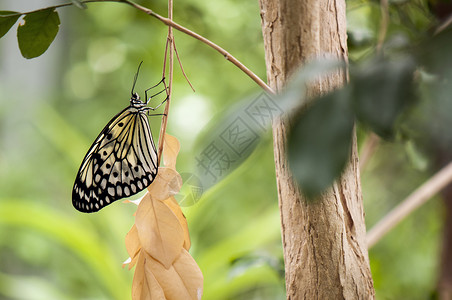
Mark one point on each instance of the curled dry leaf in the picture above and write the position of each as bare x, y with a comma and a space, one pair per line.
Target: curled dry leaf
190, 273
174, 206
171, 149
136, 202
127, 262
183, 280
145, 286
133, 246
167, 183
159, 230
158, 243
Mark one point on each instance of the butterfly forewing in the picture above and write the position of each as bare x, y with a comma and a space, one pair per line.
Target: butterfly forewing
121, 162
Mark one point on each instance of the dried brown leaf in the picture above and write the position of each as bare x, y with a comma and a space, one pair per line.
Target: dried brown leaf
172, 203
159, 240
126, 262
171, 149
145, 286
159, 230
167, 183
136, 202
183, 280
187, 268
133, 245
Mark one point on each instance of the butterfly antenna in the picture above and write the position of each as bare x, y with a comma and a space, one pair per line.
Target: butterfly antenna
136, 77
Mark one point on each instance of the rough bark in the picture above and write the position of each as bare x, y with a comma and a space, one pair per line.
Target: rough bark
325, 249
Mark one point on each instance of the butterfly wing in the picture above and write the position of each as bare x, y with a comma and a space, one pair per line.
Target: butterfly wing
121, 162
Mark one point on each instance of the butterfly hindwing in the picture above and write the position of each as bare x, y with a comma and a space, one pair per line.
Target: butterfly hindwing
121, 162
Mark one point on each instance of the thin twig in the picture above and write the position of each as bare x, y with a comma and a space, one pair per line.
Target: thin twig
170, 42
181, 67
368, 149
226, 54
416, 199
444, 25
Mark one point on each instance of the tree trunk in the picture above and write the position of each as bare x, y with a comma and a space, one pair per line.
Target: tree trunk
325, 248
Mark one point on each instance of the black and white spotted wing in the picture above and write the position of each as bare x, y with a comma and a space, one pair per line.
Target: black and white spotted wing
121, 162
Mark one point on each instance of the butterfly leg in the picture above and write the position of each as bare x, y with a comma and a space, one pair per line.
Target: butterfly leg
153, 115
154, 108
146, 91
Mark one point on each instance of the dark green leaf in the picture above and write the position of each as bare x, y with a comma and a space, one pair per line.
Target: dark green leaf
38, 32
7, 20
381, 91
79, 4
433, 115
435, 52
319, 142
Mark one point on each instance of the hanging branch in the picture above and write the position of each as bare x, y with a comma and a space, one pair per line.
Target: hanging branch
368, 149
170, 43
226, 54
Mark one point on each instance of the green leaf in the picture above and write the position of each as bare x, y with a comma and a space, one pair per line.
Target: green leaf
382, 89
433, 115
38, 32
319, 142
7, 20
79, 4
434, 53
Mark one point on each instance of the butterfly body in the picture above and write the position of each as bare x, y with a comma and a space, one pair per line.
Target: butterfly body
121, 162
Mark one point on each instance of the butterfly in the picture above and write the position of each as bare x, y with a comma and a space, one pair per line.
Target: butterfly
122, 161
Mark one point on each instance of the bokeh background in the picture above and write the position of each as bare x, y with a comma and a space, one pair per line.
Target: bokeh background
52, 108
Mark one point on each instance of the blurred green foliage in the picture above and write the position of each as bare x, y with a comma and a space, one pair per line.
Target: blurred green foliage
52, 108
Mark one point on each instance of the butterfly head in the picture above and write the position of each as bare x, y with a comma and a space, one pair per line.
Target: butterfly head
135, 100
